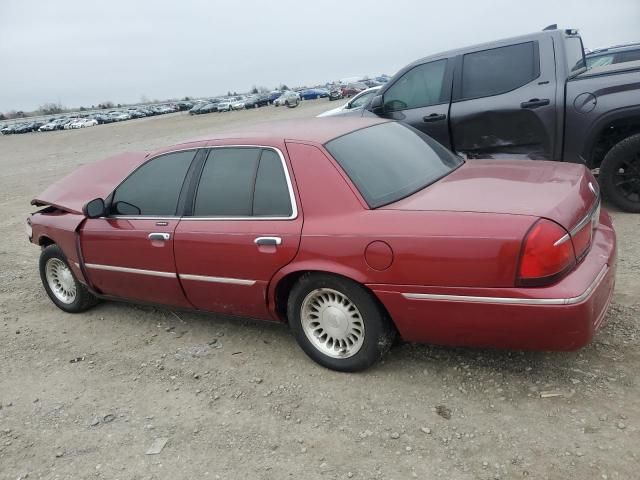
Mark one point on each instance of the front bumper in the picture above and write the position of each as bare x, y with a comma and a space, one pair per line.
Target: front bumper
564, 316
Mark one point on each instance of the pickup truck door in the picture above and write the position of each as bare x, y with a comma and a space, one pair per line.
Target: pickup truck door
420, 97
504, 102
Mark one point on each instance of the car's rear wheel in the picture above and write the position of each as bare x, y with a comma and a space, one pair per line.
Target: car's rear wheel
338, 323
620, 174
62, 286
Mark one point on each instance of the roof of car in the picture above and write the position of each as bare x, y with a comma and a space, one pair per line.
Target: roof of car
317, 130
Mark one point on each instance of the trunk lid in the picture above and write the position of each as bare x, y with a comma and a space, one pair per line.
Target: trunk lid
558, 191
94, 180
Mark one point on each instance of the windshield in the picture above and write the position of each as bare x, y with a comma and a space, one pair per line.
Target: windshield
390, 161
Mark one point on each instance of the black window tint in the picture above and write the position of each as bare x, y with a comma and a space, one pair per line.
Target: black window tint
154, 188
271, 196
499, 70
390, 161
226, 185
419, 87
628, 56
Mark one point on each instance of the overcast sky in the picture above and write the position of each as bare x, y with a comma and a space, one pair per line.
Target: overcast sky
80, 52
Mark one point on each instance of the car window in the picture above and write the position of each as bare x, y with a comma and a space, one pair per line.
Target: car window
361, 100
419, 87
628, 56
227, 183
599, 61
154, 188
498, 70
390, 161
271, 197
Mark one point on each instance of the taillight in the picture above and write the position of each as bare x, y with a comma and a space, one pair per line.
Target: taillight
546, 255
582, 239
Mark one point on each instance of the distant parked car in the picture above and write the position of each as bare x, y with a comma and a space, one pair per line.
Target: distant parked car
8, 129
273, 95
314, 93
289, 99
256, 101
224, 106
353, 88
611, 55
356, 104
119, 116
335, 93
237, 104
53, 124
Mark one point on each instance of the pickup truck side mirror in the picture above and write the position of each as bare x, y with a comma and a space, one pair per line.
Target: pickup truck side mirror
95, 208
377, 105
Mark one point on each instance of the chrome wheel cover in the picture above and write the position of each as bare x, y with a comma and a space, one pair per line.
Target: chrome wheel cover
332, 323
60, 280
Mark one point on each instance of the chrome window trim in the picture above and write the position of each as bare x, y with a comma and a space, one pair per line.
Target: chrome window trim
205, 278
292, 197
113, 268
510, 300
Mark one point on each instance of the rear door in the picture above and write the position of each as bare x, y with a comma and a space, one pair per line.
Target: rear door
504, 102
129, 254
421, 98
244, 226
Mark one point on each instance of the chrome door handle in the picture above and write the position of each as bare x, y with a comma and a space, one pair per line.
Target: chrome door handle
268, 241
159, 236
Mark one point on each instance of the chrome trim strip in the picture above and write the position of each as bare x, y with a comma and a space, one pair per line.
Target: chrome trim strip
112, 268
586, 219
204, 278
562, 239
509, 300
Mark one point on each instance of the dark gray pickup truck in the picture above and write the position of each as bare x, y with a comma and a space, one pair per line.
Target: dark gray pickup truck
530, 97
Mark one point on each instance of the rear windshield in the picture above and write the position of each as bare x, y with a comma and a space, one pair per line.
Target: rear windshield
390, 161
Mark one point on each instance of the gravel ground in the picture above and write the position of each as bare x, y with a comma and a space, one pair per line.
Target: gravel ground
86, 396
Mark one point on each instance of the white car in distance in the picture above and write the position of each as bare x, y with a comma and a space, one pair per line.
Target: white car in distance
355, 104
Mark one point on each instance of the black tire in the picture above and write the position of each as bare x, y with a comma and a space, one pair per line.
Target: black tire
379, 332
84, 300
620, 174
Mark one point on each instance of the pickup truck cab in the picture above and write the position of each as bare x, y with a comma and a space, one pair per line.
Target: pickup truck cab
526, 97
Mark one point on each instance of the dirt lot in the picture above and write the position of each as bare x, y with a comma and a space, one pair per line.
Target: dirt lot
85, 396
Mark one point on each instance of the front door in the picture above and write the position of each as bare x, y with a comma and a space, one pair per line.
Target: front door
130, 253
244, 228
420, 98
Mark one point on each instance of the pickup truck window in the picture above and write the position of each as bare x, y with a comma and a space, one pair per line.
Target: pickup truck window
498, 70
419, 87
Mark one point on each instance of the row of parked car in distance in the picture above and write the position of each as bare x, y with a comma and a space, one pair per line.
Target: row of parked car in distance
85, 119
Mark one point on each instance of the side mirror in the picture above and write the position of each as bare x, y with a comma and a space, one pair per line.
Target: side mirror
95, 208
377, 105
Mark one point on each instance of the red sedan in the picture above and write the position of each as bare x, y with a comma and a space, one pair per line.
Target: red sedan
353, 231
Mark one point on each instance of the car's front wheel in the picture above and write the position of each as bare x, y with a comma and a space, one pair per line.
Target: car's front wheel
61, 284
338, 323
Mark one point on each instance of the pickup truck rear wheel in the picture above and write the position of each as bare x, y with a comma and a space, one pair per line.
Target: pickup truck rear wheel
620, 174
